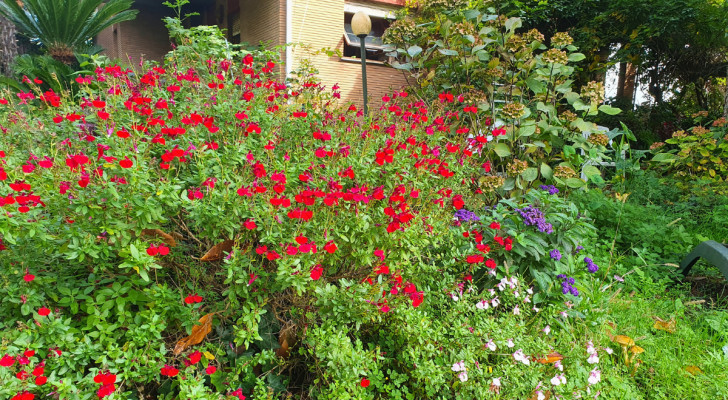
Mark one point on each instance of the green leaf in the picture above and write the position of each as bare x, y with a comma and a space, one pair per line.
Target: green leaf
530, 174
526, 130
546, 171
535, 85
502, 150
513, 23
590, 170
664, 157
609, 110
575, 183
413, 51
448, 52
134, 252
471, 14
576, 57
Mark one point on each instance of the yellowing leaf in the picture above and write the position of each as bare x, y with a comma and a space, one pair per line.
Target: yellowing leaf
668, 326
693, 370
208, 355
198, 334
217, 251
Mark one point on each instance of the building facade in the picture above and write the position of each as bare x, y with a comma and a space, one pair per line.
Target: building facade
309, 25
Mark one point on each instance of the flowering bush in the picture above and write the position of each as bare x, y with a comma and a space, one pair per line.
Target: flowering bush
696, 155
201, 230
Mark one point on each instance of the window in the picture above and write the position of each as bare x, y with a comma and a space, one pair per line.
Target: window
374, 46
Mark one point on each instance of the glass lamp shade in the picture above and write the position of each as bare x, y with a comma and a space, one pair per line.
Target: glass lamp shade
361, 24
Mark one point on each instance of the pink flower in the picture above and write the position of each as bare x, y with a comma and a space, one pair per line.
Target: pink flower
458, 366
558, 380
594, 376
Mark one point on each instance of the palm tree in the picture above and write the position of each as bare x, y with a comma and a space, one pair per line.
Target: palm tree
8, 45
64, 26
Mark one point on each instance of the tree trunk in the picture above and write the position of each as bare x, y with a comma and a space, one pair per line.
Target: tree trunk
8, 45
626, 84
725, 97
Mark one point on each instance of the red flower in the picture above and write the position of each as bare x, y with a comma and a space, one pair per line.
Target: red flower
28, 277
29, 353
211, 369
490, 263
169, 370
39, 370
23, 396
364, 382
316, 272
7, 361
43, 311
495, 225
330, 247
195, 357
250, 224
163, 250
126, 163
153, 250
41, 380
193, 299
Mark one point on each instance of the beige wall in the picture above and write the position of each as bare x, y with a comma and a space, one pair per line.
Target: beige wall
320, 24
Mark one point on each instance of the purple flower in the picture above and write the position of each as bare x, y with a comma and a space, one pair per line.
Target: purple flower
579, 248
567, 285
555, 254
533, 216
590, 266
550, 188
464, 215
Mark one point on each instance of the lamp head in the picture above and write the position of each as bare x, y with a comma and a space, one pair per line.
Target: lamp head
361, 24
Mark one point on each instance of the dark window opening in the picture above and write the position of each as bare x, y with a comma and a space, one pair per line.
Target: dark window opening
374, 46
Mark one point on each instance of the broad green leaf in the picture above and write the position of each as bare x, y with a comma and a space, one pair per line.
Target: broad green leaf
527, 130
576, 57
664, 157
609, 110
535, 85
513, 23
413, 51
530, 174
546, 171
471, 14
134, 252
575, 183
590, 170
448, 52
502, 150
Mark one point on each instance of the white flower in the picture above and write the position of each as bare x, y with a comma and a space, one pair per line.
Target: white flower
529, 291
454, 296
526, 300
459, 366
593, 358
495, 302
540, 395
564, 314
608, 350
618, 278
546, 329
516, 310
595, 376
514, 282
520, 356
536, 309
496, 382
482, 305
509, 342
515, 293
559, 366
463, 376
590, 348
558, 380
491, 345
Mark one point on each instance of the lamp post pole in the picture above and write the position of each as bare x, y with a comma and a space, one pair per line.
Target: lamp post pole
361, 25
362, 40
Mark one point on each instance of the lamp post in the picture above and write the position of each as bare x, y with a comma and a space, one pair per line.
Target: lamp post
361, 25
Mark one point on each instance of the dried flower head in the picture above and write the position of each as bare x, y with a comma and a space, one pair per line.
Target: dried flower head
516, 167
533, 36
598, 139
491, 183
513, 110
561, 39
564, 172
555, 56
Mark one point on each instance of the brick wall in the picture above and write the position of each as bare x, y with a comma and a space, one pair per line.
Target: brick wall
146, 36
320, 24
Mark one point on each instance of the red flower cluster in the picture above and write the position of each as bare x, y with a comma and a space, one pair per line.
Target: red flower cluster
108, 384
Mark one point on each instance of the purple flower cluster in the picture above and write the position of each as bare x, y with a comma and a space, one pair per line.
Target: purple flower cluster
578, 249
555, 254
590, 265
464, 215
533, 216
549, 188
566, 285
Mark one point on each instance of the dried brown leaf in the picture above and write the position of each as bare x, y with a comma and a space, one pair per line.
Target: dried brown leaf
668, 326
550, 358
198, 334
693, 370
217, 252
158, 233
